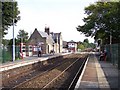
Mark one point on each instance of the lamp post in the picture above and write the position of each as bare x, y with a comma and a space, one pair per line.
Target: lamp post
13, 35
110, 38
111, 47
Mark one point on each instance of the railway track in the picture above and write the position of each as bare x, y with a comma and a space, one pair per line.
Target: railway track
64, 81
77, 75
63, 75
58, 77
24, 76
38, 75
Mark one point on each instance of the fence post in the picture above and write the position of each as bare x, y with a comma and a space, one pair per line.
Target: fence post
111, 57
119, 56
3, 54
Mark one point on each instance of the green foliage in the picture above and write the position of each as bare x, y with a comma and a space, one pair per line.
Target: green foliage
5, 42
91, 45
81, 46
11, 42
86, 40
22, 36
9, 12
85, 44
103, 19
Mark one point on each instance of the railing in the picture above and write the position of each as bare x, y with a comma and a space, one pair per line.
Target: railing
113, 54
6, 52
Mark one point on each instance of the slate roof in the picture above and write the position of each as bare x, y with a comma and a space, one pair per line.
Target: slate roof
71, 41
56, 37
43, 34
48, 37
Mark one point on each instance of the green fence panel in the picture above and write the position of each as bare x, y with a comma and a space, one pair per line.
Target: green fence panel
107, 47
1, 58
113, 54
119, 56
6, 54
17, 52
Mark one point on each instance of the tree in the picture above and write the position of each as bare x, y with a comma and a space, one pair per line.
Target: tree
103, 20
9, 12
5, 42
85, 44
86, 40
81, 46
22, 36
10, 45
91, 45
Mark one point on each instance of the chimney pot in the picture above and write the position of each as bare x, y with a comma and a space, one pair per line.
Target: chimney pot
47, 30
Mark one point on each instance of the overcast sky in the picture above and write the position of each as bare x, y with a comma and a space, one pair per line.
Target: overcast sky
60, 15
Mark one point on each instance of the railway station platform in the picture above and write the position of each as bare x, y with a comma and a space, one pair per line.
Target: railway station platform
28, 60
98, 75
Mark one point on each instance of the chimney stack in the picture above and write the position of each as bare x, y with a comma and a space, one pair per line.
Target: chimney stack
47, 30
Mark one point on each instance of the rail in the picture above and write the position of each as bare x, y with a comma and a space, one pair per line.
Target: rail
74, 81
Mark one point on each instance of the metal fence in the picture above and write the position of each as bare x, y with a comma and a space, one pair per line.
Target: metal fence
7, 53
0, 55
113, 54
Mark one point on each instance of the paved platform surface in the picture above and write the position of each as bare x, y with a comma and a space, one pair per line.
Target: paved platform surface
98, 75
28, 60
